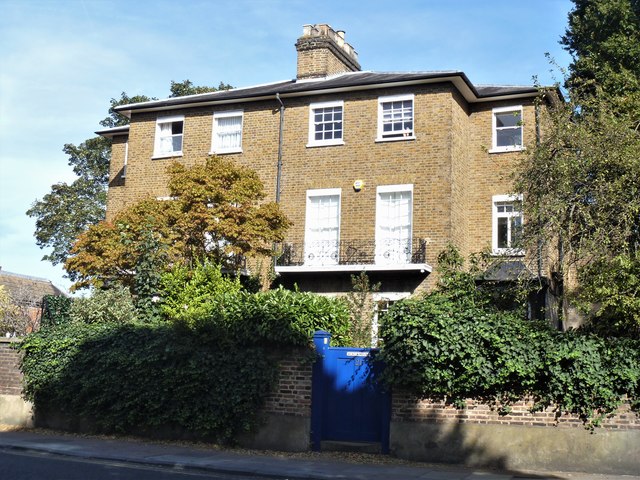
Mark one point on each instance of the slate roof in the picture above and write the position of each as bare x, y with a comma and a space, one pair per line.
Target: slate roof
507, 271
340, 82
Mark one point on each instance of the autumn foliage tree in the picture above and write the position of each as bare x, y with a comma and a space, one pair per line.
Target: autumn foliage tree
217, 213
70, 208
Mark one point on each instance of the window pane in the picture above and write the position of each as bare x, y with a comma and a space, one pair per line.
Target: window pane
508, 119
393, 233
509, 137
397, 118
516, 231
321, 243
176, 128
503, 232
228, 133
327, 123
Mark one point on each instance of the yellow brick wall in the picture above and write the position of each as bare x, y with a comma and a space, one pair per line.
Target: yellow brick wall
453, 175
319, 63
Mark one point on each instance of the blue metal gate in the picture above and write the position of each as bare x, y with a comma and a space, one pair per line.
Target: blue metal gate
348, 403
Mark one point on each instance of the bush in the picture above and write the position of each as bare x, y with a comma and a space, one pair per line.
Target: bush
113, 305
135, 378
442, 349
196, 296
284, 317
55, 310
215, 305
206, 373
454, 345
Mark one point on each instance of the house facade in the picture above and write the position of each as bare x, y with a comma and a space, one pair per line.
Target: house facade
377, 171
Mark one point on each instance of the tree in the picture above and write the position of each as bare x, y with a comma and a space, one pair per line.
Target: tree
186, 87
603, 37
16, 312
10, 315
69, 209
216, 214
361, 309
582, 181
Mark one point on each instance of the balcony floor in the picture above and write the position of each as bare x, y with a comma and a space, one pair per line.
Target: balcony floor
407, 267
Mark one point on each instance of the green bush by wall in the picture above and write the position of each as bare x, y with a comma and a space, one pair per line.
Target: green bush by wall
456, 344
207, 376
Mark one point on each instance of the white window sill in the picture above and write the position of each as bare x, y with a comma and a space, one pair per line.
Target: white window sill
325, 144
224, 152
507, 252
394, 139
507, 149
166, 155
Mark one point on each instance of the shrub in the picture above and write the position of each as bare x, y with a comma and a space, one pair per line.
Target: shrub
285, 317
454, 345
134, 378
196, 296
113, 305
55, 310
206, 373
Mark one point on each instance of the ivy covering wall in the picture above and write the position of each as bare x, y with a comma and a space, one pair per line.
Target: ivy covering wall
207, 374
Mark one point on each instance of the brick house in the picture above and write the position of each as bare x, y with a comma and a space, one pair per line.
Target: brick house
377, 171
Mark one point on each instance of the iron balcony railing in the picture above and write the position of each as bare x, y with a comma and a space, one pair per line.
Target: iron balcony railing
352, 252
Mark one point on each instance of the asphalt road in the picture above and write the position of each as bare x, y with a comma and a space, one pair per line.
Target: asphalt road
16, 465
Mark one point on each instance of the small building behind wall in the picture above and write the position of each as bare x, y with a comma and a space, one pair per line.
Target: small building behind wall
26, 294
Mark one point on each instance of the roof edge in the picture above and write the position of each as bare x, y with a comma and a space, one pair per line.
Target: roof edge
472, 93
113, 131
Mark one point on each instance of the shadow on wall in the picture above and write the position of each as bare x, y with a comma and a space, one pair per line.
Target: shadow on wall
473, 437
160, 382
444, 441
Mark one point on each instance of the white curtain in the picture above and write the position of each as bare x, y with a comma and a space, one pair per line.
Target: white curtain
229, 132
393, 232
323, 226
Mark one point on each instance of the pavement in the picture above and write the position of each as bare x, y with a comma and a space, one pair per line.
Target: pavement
318, 466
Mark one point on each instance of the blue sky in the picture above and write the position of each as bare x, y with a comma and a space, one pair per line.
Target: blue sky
62, 60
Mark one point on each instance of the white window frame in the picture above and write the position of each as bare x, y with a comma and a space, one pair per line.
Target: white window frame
377, 298
322, 192
494, 130
312, 142
215, 139
379, 257
157, 153
408, 135
496, 199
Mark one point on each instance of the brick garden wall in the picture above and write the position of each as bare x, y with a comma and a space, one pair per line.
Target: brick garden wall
10, 376
292, 394
405, 408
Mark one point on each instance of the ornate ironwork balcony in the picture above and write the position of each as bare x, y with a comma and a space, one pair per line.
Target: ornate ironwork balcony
322, 255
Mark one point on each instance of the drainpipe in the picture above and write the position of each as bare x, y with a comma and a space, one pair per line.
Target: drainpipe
280, 141
537, 112
279, 168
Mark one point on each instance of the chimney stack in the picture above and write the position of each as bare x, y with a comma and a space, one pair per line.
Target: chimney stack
322, 52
